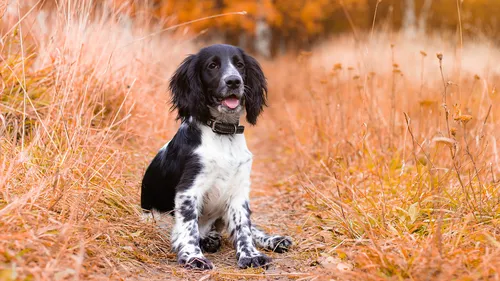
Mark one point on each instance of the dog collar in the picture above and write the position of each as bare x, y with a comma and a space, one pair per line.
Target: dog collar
225, 128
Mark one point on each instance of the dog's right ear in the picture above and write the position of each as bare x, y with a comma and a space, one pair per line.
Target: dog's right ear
186, 88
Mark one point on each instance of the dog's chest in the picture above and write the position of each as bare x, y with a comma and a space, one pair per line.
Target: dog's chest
226, 163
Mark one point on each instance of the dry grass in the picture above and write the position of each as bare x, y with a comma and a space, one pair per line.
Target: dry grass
81, 98
402, 169
367, 148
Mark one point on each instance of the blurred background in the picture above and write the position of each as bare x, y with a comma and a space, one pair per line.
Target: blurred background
274, 27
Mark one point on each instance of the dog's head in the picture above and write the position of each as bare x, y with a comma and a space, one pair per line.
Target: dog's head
219, 82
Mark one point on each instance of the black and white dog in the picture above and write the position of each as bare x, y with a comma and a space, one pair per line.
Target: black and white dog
203, 173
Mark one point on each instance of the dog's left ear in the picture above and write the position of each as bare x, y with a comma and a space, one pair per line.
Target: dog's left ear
255, 88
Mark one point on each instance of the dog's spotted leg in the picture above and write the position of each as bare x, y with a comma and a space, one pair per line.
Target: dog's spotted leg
240, 228
275, 243
185, 234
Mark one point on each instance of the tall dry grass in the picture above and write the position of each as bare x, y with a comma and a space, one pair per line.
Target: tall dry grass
83, 99
396, 147
388, 184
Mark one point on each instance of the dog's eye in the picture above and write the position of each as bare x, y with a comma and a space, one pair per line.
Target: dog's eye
240, 65
213, 65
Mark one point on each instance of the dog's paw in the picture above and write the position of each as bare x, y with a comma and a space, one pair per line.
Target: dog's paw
280, 244
211, 243
257, 261
197, 263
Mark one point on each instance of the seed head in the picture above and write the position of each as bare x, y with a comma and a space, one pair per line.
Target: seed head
443, 140
463, 118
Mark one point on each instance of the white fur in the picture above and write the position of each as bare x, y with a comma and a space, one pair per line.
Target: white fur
230, 70
227, 163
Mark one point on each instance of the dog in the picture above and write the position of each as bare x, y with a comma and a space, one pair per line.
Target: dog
202, 175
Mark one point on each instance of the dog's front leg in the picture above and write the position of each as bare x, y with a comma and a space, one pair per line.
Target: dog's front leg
239, 226
185, 234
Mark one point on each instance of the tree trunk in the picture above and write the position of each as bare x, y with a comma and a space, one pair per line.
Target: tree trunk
424, 15
409, 19
263, 34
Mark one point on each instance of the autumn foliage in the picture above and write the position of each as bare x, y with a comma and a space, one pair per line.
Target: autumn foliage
299, 24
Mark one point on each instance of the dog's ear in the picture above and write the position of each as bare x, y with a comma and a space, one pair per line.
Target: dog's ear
186, 88
255, 88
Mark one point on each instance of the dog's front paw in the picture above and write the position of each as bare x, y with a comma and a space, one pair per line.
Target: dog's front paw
260, 260
197, 263
281, 244
211, 243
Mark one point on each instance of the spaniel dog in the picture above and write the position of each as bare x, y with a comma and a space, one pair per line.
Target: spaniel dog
202, 175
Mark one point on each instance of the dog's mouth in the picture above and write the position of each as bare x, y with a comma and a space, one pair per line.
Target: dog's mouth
231, 102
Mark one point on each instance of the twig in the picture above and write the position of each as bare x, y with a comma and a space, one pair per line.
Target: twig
374, 17
184, 24
349, 19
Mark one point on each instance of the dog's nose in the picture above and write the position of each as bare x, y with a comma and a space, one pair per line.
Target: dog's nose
233, 81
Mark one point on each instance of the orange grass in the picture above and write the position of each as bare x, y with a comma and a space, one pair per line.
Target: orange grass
398, 160
379, 168
82, 97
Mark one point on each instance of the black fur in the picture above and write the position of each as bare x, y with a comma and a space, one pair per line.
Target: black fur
211, 243
174, 168
188, 96
256, 90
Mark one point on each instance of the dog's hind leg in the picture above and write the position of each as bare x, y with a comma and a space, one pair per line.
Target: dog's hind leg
210, 238
275, 243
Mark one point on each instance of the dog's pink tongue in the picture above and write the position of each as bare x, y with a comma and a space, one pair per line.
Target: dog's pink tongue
231, 102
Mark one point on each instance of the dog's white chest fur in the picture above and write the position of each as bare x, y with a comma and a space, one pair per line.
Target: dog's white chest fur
226, 163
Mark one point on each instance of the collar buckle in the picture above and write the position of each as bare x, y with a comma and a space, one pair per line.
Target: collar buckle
213, 126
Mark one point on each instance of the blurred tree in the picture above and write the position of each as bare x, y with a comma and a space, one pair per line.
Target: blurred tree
263, 33
424, 16
409, 19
